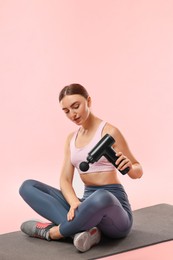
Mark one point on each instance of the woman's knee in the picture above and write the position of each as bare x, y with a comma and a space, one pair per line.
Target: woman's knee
103, 198
26, 187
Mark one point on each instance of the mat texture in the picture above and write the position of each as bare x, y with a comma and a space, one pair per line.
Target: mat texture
152, 225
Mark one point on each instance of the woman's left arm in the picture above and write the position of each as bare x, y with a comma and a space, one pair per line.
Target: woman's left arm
126, 158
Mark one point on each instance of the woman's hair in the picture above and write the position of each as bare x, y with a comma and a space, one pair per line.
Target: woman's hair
73, 89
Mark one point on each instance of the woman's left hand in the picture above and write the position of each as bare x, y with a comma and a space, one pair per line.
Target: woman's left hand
71, 213
123, 162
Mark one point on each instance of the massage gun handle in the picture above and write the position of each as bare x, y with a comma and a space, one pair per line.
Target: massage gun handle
126, 170
113, 158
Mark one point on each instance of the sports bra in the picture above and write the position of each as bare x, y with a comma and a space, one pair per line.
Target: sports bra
79, 155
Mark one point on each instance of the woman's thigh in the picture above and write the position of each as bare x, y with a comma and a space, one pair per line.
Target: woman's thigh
112, 218
46, 200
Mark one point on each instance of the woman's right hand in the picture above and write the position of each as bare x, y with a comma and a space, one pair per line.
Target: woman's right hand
71, 213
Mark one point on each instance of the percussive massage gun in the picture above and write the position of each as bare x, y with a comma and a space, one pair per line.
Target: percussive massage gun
102, 148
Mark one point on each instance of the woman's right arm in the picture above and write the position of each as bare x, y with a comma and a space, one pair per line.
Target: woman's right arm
66, 180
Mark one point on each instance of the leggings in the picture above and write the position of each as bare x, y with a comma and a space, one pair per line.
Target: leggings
100, 206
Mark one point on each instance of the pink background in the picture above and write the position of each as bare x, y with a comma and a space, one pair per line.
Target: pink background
121, 51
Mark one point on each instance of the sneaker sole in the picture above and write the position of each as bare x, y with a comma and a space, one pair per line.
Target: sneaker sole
85, 243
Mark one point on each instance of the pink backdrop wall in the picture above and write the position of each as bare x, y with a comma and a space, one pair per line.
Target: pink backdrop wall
122, 52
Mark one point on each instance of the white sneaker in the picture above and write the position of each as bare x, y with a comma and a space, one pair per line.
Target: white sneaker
85, 240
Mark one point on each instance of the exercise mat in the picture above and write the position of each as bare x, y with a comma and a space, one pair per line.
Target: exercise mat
152, 225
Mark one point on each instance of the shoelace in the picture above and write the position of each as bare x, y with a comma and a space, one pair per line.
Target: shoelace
42, 231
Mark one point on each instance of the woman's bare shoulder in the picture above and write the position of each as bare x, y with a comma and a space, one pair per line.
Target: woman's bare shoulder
69, 137
111, 129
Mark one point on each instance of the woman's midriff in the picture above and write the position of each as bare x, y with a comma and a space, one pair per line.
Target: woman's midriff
100, 178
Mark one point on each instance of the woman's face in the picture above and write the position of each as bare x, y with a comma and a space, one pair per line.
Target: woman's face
76, 108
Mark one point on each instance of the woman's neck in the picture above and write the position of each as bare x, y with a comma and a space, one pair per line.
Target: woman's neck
90, 124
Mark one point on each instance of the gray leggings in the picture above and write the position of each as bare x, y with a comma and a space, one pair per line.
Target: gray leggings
106, 207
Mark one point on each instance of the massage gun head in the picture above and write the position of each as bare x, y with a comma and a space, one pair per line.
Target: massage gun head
100, 149
84, 166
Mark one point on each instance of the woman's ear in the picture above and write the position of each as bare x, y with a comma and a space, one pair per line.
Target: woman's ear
89, 101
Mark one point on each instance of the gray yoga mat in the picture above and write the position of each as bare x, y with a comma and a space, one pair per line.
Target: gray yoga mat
152, 225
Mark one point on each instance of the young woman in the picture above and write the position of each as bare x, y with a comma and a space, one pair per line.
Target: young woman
104, 208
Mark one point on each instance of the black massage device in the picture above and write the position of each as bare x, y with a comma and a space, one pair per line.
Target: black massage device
102, 148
